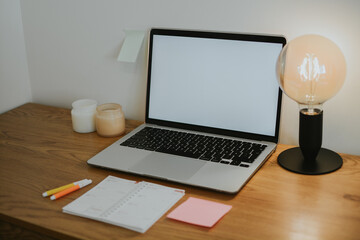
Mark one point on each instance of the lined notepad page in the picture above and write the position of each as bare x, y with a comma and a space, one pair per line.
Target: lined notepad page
136, 206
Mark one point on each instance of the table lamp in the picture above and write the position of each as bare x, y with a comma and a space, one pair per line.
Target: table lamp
311, 69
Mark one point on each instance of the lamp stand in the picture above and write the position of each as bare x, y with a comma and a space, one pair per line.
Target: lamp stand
310, 158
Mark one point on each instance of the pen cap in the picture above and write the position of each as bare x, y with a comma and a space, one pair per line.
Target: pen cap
81, 181
84, 182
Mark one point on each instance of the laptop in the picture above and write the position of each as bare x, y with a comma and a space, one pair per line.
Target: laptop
212, 110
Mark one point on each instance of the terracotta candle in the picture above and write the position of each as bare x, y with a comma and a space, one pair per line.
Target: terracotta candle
83, 115
110, 120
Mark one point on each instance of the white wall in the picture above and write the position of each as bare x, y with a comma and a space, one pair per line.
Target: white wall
14, 77
72, 47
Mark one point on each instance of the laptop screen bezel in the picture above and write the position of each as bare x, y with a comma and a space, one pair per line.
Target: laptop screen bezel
212, 35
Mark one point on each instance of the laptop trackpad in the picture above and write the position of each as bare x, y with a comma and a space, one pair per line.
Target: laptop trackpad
167, 166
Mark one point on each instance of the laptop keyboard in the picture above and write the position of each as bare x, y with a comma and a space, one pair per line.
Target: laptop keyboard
207, 148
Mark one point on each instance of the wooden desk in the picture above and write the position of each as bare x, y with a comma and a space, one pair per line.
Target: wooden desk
40, 151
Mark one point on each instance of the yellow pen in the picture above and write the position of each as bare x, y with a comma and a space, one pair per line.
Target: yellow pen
59, 189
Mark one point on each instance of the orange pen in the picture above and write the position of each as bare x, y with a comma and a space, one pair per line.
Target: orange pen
70, 190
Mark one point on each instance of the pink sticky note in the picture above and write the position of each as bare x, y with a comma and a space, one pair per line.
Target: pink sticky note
200, 212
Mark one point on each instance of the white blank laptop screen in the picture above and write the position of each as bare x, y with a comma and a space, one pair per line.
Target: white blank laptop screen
225, 84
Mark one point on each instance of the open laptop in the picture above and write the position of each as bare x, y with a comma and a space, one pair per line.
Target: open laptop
212, 110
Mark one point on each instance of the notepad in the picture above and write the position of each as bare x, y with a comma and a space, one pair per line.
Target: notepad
125, 203
199, 212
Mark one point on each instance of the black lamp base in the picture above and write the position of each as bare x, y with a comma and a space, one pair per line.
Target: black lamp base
326, 161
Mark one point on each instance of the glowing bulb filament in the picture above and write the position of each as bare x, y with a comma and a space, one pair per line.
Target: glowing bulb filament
310, 71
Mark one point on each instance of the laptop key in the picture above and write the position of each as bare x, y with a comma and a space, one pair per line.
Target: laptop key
205, 158
215, 159
224, 162
235, 163
244, 165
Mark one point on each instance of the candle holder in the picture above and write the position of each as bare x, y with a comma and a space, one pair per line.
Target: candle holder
83, 115
110, 120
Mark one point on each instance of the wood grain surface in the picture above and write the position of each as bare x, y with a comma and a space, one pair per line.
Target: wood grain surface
40, 151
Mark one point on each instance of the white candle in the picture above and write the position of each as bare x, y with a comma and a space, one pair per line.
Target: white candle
83, 115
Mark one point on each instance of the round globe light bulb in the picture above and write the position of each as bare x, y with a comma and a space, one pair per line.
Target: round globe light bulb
311, 69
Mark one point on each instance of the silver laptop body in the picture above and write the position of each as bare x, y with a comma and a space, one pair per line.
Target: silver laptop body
221, 85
